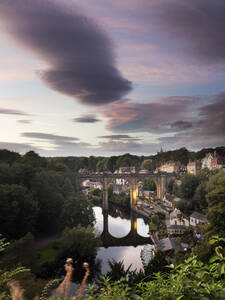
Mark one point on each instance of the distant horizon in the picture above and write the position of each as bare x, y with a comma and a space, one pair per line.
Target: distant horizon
100, 77
146, 155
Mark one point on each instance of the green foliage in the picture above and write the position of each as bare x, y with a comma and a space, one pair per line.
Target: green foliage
46, 292
127, 160
18, 210
148, 164
117, 270
216, 203
7, 275
77, 209
199, 202
19, 252
170, 186
149, 185
188, 186
111, 291
8, 156
32, 193
79, 240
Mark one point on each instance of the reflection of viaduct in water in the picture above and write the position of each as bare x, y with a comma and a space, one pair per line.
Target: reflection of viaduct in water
161, 181
131, 239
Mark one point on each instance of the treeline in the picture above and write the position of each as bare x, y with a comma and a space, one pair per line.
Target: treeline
101, 164
38, 195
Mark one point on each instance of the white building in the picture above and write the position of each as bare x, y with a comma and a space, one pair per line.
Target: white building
207, 161
177, 222
92, 184
177, 218
196, 218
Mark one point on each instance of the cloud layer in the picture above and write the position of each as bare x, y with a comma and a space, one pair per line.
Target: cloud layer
194, 27
6, 111
80, 56
86, 119
194, 121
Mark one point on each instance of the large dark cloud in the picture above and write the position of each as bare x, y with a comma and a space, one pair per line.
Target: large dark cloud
195, 27
80, 57
86, 119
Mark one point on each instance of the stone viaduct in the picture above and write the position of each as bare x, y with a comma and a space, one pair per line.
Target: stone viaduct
161, 181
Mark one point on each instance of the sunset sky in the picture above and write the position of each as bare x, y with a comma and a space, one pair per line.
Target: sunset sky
106, 77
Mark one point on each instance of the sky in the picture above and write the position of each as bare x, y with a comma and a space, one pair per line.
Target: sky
107, 77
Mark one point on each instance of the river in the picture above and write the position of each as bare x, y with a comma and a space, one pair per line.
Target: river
119, 225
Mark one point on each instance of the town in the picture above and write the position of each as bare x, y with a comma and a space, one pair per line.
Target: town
173, 222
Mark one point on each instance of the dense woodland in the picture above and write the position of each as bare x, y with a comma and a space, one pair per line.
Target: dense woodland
38, 196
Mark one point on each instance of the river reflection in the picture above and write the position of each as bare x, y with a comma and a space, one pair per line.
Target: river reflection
119, 225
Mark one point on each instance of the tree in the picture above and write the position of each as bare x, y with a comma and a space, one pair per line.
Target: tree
188, 185
47, 189
18, 210
216, 203
6, 176
148, 164
170, 186
199, 202
76, 209
149, 185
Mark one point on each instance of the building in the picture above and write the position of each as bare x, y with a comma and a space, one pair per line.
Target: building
213, 161
83, 171
143, 171
92, 184
169, 246
217, 163
125, 170
177, 218
170, 167
177, 222
194, 167
198, 218
169, 200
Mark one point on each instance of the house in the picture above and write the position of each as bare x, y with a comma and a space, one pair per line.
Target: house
177, 222
169, 200
198, 218
125, 170
170, 167
217, 162
194, 167
92, 184
176, 229
213, 161
177, 218
169, 246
